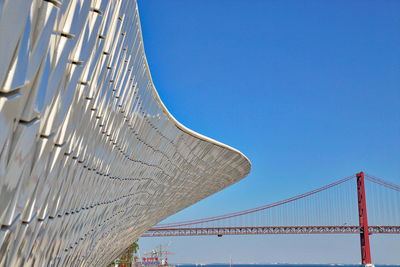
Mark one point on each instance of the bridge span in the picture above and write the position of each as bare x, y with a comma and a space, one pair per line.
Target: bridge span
269, 230
337, 208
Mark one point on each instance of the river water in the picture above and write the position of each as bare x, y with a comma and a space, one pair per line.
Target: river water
280, 265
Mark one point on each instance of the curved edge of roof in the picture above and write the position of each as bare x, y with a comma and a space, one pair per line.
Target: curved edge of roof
175, 121
189, 131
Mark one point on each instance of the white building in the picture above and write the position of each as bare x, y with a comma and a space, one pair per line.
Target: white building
89, 156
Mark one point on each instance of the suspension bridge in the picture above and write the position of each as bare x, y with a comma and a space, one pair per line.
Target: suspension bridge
359, 204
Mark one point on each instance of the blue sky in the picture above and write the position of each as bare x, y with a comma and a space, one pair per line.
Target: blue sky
308, 90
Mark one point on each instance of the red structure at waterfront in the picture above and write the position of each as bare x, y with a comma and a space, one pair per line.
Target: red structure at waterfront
363, 219
331, 209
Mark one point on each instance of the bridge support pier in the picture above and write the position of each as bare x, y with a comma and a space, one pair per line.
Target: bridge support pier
363, 222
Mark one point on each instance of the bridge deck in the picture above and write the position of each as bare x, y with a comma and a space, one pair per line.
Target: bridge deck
219, 231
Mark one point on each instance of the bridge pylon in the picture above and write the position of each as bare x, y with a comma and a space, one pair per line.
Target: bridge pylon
363, 221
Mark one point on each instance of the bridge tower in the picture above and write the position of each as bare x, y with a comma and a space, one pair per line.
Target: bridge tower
363, 221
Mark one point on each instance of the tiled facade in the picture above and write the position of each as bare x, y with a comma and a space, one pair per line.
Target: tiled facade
89, 156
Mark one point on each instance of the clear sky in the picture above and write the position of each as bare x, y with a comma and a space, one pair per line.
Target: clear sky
308, 90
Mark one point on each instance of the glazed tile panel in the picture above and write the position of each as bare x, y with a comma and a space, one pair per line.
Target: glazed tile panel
89, 156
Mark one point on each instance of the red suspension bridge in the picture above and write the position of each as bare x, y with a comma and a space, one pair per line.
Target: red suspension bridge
340, 207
